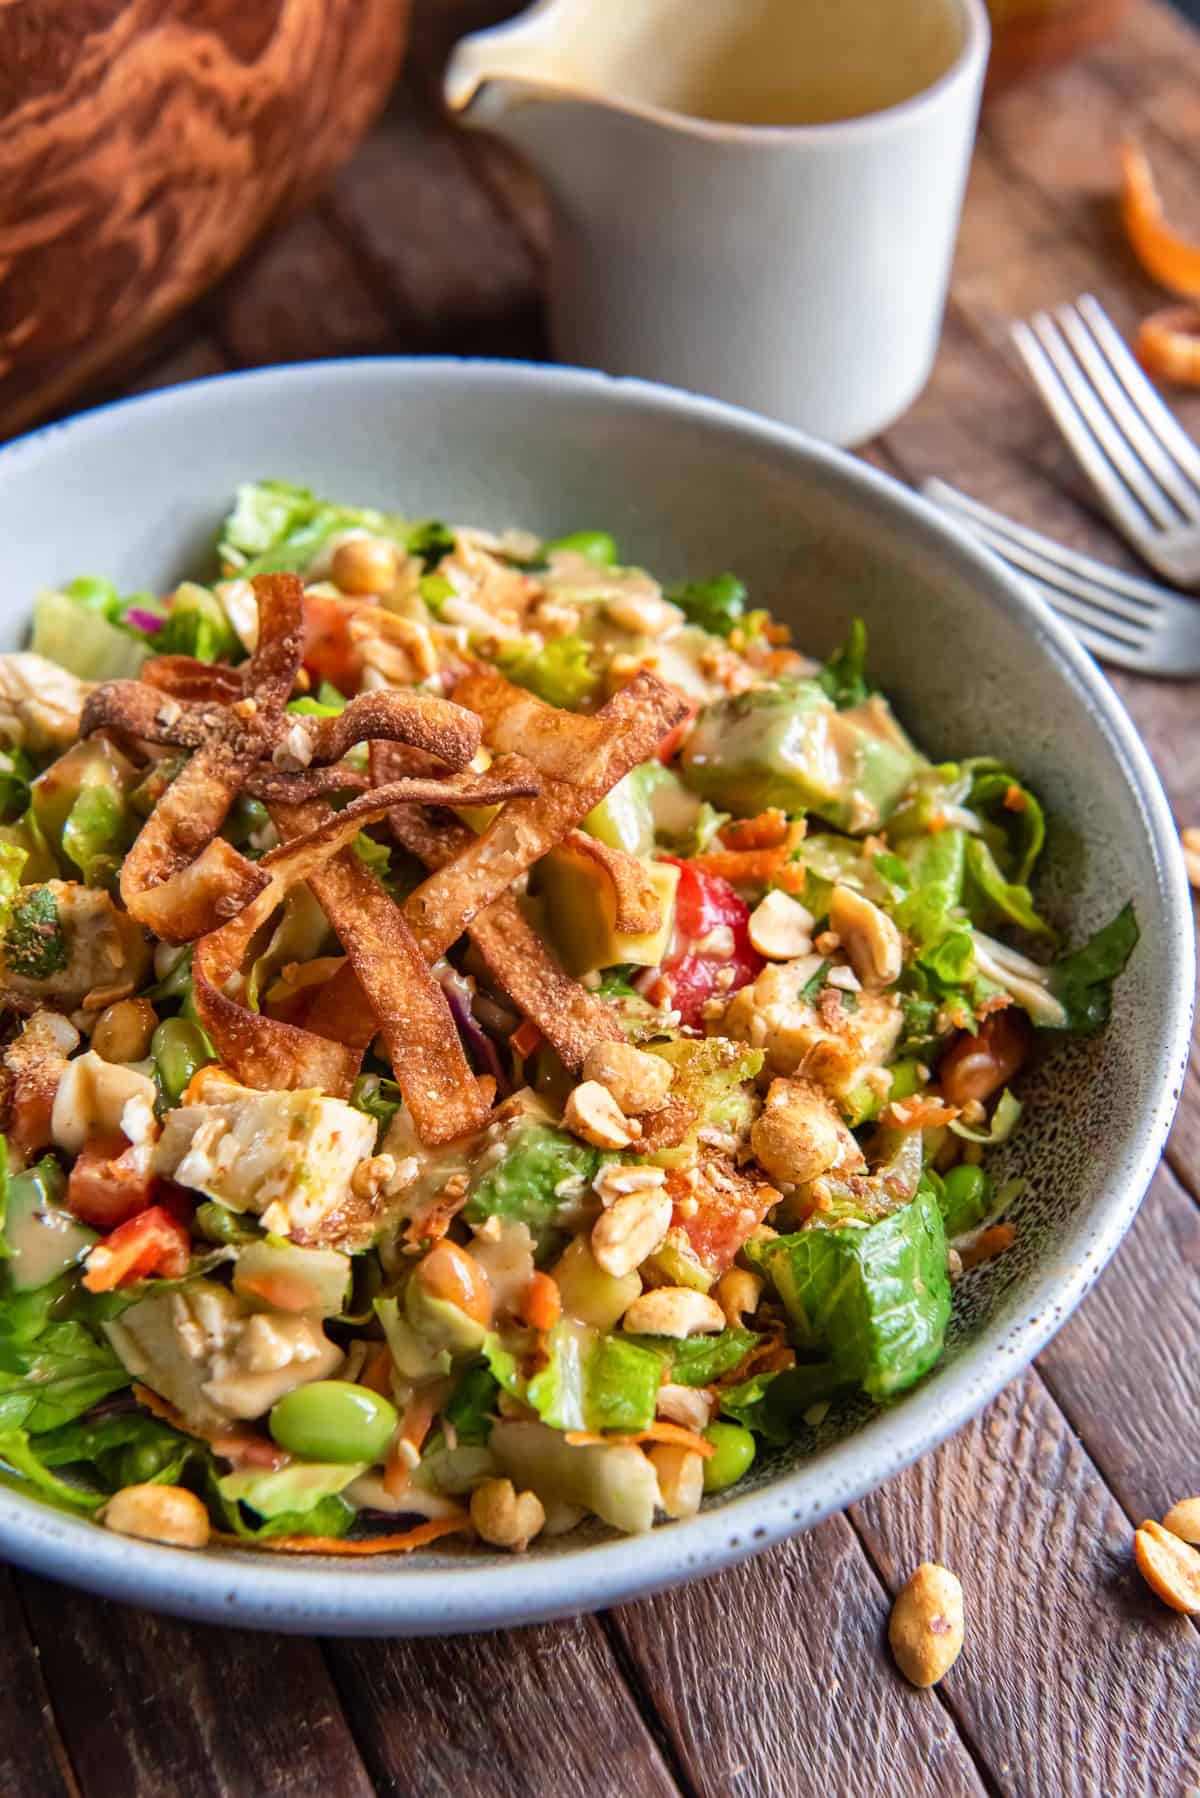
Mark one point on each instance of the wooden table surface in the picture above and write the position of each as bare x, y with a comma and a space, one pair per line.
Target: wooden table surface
773, 1678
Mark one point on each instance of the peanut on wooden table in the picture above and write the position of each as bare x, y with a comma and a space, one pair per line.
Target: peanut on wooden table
775, 1677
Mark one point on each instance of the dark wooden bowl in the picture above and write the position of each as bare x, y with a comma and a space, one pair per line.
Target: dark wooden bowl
144, 144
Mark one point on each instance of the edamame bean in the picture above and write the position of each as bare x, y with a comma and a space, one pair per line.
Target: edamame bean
597, 546
143, 1461
966, 1193
179, 1047
735, 1453
331, 1420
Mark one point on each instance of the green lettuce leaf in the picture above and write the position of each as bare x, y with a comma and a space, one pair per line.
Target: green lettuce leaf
198, 625
97, 833
19, 1454
55, 1378
35, 945
1082, 981
843, 677
558, 672
278, 528
716, 605
1014, 819
594, 1381
471, 1407
17, 771
874, 1301
773, 1404
699, 1360
12, 863
994, 900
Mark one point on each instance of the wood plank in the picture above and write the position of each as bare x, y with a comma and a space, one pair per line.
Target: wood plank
1123, 1367
456, 269
498, 1716
304, 295
150, 1706
773, 1678
1074, 1680
33, 1760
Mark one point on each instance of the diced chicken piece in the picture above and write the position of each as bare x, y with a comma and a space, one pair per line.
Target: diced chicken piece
40, 703
103, 952
837, 1046
92, 1098
288, 1156
204, 1349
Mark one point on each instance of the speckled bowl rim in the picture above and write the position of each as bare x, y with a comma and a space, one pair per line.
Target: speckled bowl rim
408, 1598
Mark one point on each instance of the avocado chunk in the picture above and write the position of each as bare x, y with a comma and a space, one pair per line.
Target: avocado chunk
789, 746
43, 1239
581, 914
540, 1170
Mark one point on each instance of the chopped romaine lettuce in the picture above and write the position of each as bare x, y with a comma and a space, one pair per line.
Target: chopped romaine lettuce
35, 944
1082, 981
843, 677
699, 1360
590, 1380
471, 1408
97, 833
558, 671
716, 605
874, 1300
83, 641
773, 1404
198, 625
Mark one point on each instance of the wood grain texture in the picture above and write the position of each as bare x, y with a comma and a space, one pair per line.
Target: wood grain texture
150, 1707
1073, 1680
515, 1715
758, 1672
144, 145
33, 1760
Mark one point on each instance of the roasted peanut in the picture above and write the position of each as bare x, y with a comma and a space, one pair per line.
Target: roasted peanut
1169, 1567
504, 1517
873, 944
926, 1627
691, 1406
631, 1229
122, 1031
637, 1081
364, 565
780, 927
674, 1311
158, 1514
680, 1478
1183, 1520
738, 1292
592, 1114
799, 1135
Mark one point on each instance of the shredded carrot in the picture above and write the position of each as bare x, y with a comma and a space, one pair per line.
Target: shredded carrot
402, 1544
525, 1039
657, 1432
541, 1302
792, 877
766, 831
742, 867
414, 1427
376, 1374
201, 1087
1168, 345
1014, 799
921, 1112
989, 1243
1171, 259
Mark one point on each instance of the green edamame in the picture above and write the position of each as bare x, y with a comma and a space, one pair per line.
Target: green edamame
178, 1047
965, 1190
597, 546
331, 1420
734, 1456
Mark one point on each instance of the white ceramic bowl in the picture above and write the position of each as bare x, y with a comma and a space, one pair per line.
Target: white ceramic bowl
690, 487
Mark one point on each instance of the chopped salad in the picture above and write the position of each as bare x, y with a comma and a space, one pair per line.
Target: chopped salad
490, 1039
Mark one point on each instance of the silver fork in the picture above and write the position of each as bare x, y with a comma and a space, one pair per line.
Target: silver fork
1123, 620
1144, 468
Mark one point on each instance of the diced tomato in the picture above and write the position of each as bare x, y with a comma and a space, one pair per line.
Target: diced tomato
106, 1185
329, 652
153, 1242
705, 903
723, 1220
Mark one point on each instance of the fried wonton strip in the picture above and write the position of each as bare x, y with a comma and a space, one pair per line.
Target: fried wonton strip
131, 709
422, 1039
568, 1016
634, 720
272, 787
179, 878
555, 741
442, 728
263, 1052
639, 908
339, 1008
185, 678
508, 778
271, 671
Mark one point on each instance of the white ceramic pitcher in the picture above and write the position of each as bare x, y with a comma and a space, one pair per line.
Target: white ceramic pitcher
799, 268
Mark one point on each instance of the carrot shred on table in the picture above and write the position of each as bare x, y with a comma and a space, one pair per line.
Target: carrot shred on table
404, 1543
1171, 259
1168, 345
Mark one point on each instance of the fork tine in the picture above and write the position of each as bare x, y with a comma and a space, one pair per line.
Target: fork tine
1161, 421
1120, 453
1115, 397
1081, 600
1150, 599
1131, 519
